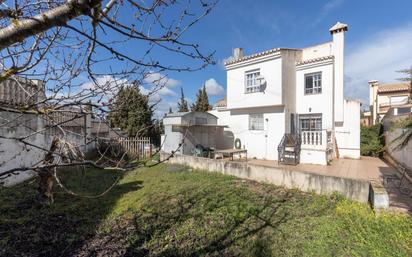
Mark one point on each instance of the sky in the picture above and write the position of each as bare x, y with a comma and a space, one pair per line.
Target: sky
378, 43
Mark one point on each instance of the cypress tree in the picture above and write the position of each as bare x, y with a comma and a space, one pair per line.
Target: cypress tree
182, 105
202, 101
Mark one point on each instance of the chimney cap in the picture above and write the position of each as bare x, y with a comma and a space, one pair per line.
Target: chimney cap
338, 27
372, 82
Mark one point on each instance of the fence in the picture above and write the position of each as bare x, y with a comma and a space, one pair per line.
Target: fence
136, 147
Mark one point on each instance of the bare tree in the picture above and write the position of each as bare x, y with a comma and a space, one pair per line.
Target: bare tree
107, 44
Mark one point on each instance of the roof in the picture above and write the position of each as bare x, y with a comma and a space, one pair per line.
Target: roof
221, 103
200, 125
181, 114
176, 114
338, 27
393, 87
323, 58
252, 56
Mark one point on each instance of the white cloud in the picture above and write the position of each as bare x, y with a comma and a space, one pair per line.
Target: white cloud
213, 88
158, 79
104, 82
378, 56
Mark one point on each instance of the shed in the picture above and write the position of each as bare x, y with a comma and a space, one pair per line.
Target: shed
191, 129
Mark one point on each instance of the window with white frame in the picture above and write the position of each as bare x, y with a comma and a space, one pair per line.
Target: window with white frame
252, 81
310, 122
256, 122
313, 83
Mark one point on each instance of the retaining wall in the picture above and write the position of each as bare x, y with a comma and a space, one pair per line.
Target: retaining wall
309, 182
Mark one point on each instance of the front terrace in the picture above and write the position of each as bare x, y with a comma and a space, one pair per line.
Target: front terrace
360, 180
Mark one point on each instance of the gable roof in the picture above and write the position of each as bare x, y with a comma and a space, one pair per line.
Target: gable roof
252, 56
393, 87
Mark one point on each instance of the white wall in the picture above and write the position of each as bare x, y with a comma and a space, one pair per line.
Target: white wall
261, 144
339, 55
270, 69
289, 58
319, 103
348, 135
317, 51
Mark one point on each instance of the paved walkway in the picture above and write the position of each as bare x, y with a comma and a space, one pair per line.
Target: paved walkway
367, 168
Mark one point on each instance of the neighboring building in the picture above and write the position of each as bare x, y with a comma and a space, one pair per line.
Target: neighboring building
191, 129
292, 91
384, 96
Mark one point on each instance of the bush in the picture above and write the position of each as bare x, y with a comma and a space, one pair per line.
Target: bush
372, 142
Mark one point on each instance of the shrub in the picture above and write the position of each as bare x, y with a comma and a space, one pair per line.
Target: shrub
372, 142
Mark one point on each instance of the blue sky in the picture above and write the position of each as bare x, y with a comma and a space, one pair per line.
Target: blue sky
378, 43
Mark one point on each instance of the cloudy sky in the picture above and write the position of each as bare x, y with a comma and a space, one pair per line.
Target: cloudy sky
378, 43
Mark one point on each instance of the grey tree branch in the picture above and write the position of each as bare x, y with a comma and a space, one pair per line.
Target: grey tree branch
20, 30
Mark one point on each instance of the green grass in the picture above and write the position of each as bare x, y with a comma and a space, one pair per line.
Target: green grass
170, 211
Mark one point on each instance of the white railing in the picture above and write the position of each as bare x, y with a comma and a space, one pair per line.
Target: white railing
316, 139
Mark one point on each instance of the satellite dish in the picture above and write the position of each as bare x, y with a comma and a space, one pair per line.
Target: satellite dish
262, 82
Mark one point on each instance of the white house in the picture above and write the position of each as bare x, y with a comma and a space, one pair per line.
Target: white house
295, 92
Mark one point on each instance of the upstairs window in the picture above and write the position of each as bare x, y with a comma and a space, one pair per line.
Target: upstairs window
313, 83
252, 81
256, 122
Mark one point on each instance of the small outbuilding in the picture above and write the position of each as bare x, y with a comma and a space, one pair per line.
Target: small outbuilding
198, 132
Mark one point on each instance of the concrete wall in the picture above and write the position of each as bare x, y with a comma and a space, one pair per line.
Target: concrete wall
400, 155
353, 189
348, 135
14, 154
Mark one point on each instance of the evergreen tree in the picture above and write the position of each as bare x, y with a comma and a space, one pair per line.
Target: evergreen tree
170, 110
202, 101
182, 105
131, 112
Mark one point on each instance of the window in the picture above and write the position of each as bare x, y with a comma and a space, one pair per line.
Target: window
404, 110
252, 81
200, 121
256, 122
310, 122
399, 99
313, 83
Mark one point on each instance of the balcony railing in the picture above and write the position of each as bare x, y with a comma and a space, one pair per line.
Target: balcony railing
319, 139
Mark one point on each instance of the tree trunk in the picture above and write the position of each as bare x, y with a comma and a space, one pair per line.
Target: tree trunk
46, 179
45, 190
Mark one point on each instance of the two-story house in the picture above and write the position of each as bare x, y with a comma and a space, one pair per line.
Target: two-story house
382, 97
286, 91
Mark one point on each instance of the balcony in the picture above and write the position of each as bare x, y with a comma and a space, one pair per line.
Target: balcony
318, 139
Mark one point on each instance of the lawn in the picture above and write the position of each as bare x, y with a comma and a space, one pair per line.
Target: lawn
173, 211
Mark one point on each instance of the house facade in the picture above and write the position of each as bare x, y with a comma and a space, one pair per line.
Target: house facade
382, 97
286, 91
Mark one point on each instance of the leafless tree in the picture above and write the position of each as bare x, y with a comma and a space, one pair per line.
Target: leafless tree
65, 43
